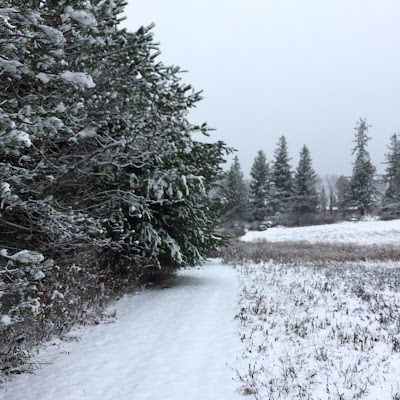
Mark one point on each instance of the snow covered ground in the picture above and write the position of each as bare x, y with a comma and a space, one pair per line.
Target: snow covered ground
321, 329
362, 232
177, 343
321, 332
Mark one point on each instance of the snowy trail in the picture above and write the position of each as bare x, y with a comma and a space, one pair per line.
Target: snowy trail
175, 343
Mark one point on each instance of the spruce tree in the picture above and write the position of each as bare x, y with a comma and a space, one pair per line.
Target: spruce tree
235, 191
305, 198
362, 181
281, 188
99, 171
98, 165
392, 194
259, 185
343, 191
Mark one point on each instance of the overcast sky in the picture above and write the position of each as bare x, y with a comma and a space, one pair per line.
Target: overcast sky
306, 69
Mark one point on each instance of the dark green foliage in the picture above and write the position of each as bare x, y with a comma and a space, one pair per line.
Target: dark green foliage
235, 191
305, 198
392, 194
259, 185
281, 185
101, 140
362, 181
98, 167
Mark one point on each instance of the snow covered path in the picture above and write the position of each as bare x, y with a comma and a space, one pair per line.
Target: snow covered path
167, 344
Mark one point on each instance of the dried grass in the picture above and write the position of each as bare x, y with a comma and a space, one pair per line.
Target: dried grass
294, 252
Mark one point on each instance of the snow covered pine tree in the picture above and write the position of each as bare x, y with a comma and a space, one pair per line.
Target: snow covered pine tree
362, 180
392, 194
235, 192
98, 167
305, 197
281, 182
259, 185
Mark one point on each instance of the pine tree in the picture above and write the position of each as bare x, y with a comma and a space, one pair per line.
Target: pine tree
235, 191
392, 194
259, 185
281, 188
98, 165
26, 48
362, 183
305, 198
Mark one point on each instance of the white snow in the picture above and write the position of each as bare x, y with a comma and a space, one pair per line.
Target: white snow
177, 343
54, 34
43, 77
11, 66
60, 107
21, 137
5, 188
27, 256
38, 275
5, 320
322, 330
362, 232
83, 17
315, 332
79, 78
283, 331
87, 132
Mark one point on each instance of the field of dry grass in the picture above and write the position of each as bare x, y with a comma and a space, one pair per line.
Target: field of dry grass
303, 251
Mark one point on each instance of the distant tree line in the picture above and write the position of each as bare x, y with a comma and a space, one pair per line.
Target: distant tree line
276, 191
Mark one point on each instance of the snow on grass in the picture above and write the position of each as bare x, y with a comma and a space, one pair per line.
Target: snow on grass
177, 343
362, 232
320, 331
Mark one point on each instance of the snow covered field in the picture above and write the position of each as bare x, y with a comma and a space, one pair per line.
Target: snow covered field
167, 344
363, 232
321, 332
319, 321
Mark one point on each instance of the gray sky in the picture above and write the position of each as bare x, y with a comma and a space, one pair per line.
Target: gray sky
306, 69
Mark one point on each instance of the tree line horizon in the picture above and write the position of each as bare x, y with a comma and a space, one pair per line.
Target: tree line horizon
274, 188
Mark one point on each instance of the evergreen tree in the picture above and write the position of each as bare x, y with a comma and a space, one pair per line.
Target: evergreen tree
235, 191
392, 194
362, 183
98, 166
259, 185
281, 188
305, 198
